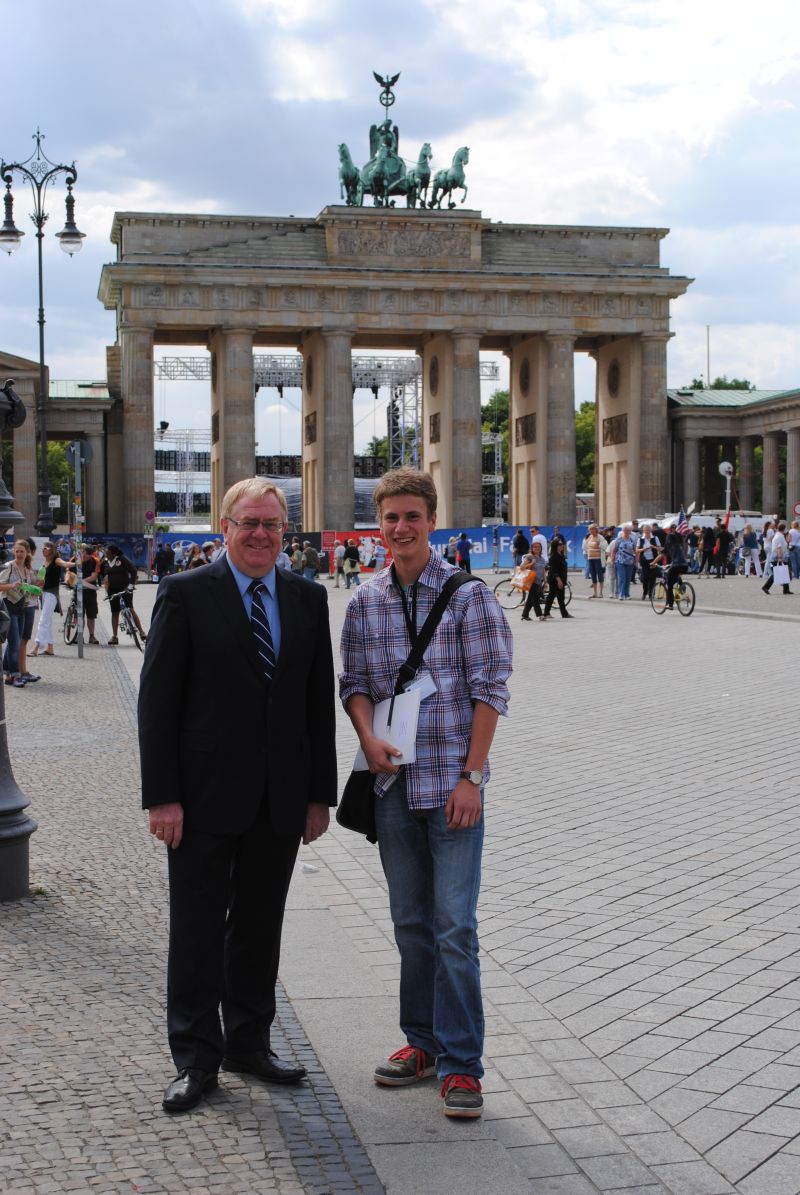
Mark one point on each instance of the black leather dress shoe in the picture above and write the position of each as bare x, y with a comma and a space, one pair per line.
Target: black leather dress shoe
265, 1065
187, 1089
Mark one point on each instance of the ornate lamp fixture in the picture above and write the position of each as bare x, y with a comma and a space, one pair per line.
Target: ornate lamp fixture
39, 171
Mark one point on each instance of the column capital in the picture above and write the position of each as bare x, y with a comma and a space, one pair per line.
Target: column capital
146, 330
233, 331
466, 333
663, 337
554, 336
330, 333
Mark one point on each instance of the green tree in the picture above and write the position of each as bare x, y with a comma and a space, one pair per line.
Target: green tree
378, 446
722, 383
585, 423
495, 419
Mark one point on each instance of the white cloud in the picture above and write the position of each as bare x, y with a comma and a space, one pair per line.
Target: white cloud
301, 71
95, 213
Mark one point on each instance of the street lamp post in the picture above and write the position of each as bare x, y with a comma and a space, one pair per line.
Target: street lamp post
16, 826
40, 172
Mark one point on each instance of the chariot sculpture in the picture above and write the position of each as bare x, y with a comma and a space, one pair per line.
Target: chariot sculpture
386, 177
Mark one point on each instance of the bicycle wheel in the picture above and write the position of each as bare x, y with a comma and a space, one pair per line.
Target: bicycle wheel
684, 597
126, 618
658, 595
509, 596
70, 625
567, 593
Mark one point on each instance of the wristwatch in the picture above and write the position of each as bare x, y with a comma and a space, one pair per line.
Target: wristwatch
475, 778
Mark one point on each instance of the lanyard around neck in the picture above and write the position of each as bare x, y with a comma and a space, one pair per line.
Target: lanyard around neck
410, 616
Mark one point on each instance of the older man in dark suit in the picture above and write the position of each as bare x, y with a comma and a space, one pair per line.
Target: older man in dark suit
236, 733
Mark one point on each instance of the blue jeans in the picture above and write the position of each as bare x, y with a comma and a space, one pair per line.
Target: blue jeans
310, 574
11, 657
794, 562
624, 574
434, 876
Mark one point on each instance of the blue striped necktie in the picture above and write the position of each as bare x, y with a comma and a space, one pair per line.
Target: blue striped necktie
260, 624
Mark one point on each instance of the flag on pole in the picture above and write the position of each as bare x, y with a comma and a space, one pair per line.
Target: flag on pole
683, 524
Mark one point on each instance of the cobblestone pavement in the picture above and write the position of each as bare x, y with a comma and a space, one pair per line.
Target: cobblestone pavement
83, 1056
639, 927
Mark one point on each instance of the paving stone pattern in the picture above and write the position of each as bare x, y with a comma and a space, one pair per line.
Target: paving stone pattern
639, 929
639, 912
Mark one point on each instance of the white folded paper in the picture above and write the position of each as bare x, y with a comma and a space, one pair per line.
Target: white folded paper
402, 733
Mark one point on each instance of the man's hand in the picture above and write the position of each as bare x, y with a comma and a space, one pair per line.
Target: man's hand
380, 755
166, 823
317, 821
463, 808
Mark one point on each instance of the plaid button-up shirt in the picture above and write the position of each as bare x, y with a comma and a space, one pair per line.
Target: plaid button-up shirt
469, 658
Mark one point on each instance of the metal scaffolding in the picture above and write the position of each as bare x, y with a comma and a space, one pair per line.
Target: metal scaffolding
287, 370
402, 376
189, 451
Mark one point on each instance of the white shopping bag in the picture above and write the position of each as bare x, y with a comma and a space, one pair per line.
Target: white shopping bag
780, 574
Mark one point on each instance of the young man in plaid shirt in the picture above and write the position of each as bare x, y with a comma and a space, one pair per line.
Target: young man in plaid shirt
429, 813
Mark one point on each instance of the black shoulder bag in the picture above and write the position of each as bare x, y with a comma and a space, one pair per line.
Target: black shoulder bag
356, 809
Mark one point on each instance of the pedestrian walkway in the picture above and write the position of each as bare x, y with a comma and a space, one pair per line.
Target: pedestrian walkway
639, 927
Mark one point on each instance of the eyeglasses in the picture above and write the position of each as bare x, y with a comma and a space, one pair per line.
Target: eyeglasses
273, 526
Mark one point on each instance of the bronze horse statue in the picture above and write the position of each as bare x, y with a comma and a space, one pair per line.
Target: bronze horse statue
348, 177
446, 181
418, 177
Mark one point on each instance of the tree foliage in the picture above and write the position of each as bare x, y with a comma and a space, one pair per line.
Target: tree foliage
723, 383
585, 424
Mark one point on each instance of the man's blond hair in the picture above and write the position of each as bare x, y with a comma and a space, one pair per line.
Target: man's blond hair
405, 480
253, 488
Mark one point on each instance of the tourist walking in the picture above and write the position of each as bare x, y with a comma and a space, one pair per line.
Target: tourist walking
50, 576
536, 568
595, 549
750, 551
779, 557
624, 558
556, 579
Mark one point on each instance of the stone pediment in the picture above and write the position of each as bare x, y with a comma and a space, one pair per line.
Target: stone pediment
9, 365
278, 246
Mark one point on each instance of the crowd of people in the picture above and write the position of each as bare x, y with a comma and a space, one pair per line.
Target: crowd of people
28, 591
616, 557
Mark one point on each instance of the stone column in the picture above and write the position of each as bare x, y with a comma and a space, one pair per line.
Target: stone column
94, 499
713, 482
466, 430
560, 429
337, 495
233, 448
769, 501
654, 463
138, 414
328, 486
24, 483
691, 472
747, 472
792, 472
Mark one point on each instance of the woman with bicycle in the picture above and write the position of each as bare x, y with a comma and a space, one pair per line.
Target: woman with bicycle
536, 566
119, 576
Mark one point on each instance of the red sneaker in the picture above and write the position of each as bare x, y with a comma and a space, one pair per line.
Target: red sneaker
406, 1066
462, 1096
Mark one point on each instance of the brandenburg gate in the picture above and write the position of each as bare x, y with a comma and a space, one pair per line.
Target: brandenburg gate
445, 283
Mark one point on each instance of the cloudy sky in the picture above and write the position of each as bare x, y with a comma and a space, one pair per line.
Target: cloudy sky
671, 113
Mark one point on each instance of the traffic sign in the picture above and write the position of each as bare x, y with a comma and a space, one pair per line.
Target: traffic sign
796, 508
53, 501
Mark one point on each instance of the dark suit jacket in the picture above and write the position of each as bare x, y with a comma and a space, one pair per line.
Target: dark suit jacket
212, 734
